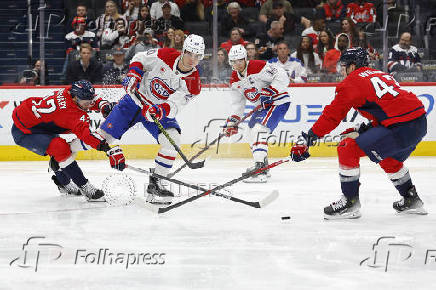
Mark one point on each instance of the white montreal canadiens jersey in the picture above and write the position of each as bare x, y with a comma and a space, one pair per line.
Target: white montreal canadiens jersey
261, 77
162, 82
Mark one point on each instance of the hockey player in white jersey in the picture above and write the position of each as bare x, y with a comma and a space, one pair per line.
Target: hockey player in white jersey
165, 80
257, 82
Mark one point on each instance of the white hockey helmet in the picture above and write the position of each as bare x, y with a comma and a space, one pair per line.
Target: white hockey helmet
194, 44
237, 52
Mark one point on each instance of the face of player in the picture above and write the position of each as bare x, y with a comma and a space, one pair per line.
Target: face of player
239, 65
405, 41
190, 60
345, 71
85, 105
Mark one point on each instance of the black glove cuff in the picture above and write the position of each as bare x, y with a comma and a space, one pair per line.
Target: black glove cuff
103, 146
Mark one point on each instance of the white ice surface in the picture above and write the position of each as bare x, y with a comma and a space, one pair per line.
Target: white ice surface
214, 243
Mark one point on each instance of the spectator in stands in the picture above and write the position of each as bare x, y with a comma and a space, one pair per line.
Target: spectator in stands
294, 68
143, 21
332, 56
156, 9
332, 10
266, 10
132, 11
116, 36
81, 11
192, 10
235, 38
224, 69
252, 52
86, 68
179, 39
115, 71
288, 20
348, 27
167, 20
108, 18
394, 12
168, 38
142, 43
267, 42
361, 11
79, 35
307, 56
325, 43
404, 56
232, 19
32, 77
364, 43
314, 30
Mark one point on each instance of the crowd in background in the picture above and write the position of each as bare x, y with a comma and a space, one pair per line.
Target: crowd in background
306, 38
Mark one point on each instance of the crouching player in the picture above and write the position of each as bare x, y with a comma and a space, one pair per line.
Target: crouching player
39, 121
398, 124
159, 83
257, 82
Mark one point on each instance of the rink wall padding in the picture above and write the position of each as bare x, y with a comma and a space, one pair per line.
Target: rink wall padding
202, 118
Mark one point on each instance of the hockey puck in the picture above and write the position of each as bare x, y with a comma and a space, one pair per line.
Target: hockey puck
286, 217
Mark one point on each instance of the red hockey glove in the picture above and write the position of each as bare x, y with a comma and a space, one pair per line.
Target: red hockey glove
158, 111
116, 158
299, 152
231, 128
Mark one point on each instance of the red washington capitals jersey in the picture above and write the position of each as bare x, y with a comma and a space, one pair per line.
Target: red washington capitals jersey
376, 95
55, 114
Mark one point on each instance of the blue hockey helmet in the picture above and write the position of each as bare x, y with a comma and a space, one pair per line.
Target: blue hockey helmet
358, 56
83, 90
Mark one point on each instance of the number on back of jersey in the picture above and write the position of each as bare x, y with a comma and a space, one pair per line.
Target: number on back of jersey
382, 88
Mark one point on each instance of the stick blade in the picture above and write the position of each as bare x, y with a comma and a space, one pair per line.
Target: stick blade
196, 165
269, 198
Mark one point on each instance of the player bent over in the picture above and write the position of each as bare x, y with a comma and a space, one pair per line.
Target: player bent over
398, 124
159, 83
257, 82
39, 121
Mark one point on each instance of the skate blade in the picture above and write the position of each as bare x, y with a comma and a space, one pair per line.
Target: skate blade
151, 199
351, 215
256, 180
101, 199
419, 211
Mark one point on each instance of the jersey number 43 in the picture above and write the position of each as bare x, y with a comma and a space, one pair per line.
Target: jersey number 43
382, 87
45, 106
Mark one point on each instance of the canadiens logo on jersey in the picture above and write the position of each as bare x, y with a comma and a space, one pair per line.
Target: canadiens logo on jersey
252, 94
160, 89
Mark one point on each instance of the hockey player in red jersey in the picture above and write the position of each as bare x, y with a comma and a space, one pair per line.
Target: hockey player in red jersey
398, 124
159, 83
257, 82
39, 121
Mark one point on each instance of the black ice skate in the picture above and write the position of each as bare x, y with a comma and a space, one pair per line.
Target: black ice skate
260, 177
343, 209
91, 193
410, 204
69, 189
157, 194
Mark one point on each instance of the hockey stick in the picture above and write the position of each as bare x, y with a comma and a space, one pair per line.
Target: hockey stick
187, 162
162, 129
256, 204
229, 183
220, 136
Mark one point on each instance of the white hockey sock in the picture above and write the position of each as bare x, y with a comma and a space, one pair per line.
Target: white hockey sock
167, 154
259, 142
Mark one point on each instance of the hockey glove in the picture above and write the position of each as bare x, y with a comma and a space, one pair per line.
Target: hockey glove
131, 83
116, 158
158, 111
106, 108
266, 101
231, 127
355, 131
300, 151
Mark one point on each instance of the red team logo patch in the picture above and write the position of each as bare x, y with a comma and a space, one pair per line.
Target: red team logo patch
160, 89
251, 94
